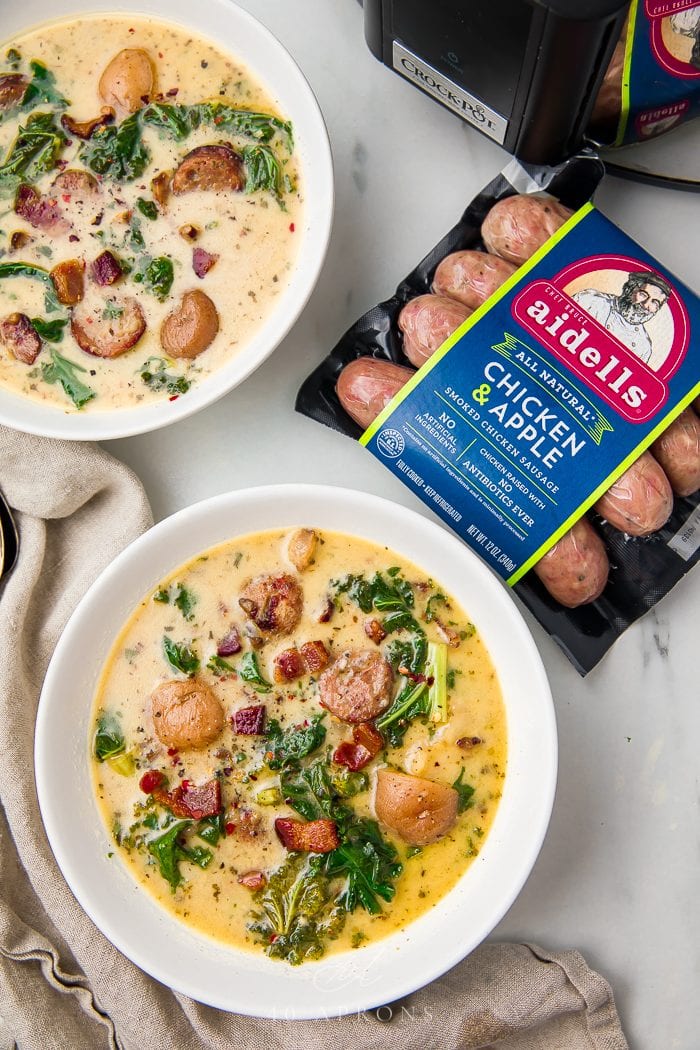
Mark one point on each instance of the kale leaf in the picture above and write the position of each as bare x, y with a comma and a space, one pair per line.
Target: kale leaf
464, 792
61, 370
156, 275
249, 672
34, 152
109, 740
296, 913
42, 90
263, 171
284, 747
49, 331
117, 151
181, 657
168, 849
21, 269
154, 375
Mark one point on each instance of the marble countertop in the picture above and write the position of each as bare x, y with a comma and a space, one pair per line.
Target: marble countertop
617, 876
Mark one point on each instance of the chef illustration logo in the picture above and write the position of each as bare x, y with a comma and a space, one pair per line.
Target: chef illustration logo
615, 323
675, 37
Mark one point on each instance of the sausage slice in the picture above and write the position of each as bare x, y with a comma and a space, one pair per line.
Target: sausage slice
12, 88
191, 327
357, 686
108, 333
209, 168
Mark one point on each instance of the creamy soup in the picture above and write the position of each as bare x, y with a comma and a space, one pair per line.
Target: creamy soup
298, 743
150, 210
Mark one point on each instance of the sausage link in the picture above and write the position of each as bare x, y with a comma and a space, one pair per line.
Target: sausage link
575, 570
640, 501
367, 385
471, 277
426, 322
678, 452
517, 226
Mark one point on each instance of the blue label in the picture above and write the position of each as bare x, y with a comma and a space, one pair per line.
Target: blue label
525, 416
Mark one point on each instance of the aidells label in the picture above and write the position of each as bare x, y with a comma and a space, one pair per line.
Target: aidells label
546, 394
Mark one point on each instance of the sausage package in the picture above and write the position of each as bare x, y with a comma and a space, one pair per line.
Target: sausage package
653, 81
550, 420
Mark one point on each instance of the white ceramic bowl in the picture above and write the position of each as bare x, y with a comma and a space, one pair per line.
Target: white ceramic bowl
240, 981
231, 29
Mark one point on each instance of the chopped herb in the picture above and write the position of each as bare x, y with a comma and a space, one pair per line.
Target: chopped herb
249, 671
451, 677
147, 208
185, 601
182, 658
162, 596
50, 331
464, 792
436, 599
413, 851
109, 740
220, 667
61, 370
112, 310
155, 377
156, 275
134, 238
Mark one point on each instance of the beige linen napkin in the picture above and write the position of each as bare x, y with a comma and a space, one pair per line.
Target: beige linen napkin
62, 984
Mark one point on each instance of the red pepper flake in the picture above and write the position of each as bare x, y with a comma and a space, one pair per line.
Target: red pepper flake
65, 197
151, 779
218, 120
173, 397
291, 227
132, 30
230, 828
172, 751
160, 54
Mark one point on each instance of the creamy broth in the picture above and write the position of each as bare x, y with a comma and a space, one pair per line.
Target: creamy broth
252, 236
198, 606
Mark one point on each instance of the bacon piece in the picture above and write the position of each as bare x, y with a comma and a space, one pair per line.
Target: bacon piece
202, 262
288, 665
252, 880
448, 635
367, 742
374, 631
18, 334
315, 656
67, 279
368, 736
105, 269
230, 644
353, 756
40, 212
193, 801
85, 129
249, 721
314, 836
